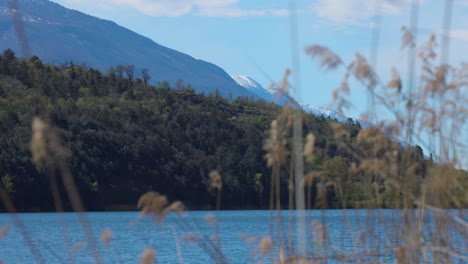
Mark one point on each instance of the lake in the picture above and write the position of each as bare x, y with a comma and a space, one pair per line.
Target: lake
358, 232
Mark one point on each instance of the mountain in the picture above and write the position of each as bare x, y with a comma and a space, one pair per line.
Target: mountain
326, 112
57, 34
255, 87
271, 96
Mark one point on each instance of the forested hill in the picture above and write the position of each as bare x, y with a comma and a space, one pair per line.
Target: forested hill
127, 138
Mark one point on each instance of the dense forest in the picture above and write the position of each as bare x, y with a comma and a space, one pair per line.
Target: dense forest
127, 137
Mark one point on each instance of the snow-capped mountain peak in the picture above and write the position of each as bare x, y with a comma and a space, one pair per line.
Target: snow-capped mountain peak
254, 87
246, 81
326, 112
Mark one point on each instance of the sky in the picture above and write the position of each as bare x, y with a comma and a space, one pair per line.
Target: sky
263, 38
254, 38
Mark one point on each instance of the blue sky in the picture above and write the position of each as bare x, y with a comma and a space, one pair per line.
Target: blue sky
253, 37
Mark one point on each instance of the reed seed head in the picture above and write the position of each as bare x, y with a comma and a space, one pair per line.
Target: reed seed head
310, 178
151, 202
328, 59
38, 142
215, 181
176, 206
46, 145
275, 145
309, 147
4, 230
157, 205
407, 39
210, 219
395, 82
265, 246
148, 256
363, 72
78, 245
106, 236
284, 85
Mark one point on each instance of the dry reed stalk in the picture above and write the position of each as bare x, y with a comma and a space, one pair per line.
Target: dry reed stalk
434, 109
374, 153
157, 206
48, 150
206, 243
10, 208
216, 184
19, 28
178, 248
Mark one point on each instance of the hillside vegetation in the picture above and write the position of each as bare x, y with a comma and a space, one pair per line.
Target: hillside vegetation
127, 137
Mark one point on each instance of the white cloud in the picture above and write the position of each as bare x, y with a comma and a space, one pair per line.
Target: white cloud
171, 8
459, 34
205, 8
281, 12
356, 12
463, 3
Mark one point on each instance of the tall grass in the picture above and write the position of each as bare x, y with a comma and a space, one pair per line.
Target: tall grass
432, 113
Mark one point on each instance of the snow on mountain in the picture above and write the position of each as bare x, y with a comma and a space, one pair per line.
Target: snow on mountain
246, 82
326, 112
254, 87
258, 89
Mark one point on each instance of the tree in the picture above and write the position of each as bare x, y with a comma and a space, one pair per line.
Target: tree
179, 85
130, 71
119, 70
145, 75
8, 62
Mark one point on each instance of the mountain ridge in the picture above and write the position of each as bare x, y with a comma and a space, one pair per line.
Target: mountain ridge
58, 34
268, 95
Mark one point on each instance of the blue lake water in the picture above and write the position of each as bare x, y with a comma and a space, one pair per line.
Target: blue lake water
347, 232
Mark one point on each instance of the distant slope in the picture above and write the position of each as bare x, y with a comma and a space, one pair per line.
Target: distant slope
57, 35
258, 89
